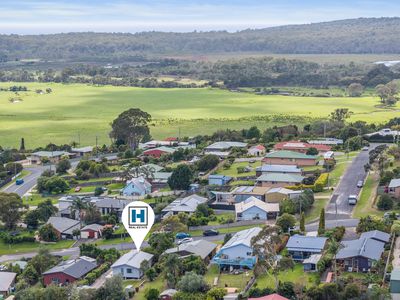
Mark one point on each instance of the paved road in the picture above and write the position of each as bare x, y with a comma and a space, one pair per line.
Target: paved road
29, 181
329, 224
348, 186
74, 251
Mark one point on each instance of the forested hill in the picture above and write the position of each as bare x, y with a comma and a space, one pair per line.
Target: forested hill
364, 35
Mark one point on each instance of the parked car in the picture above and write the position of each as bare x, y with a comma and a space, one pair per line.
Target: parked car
19, 181
77, 189
185, 240
352, 199
182, 235
210, 232
389, 214
360, 184
366, 148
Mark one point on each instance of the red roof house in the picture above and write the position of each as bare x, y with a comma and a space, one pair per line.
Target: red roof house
270, 297
157, 152
301, 146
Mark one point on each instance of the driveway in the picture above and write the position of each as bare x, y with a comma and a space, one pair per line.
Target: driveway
348, 186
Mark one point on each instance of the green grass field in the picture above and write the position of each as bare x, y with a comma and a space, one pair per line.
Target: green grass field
86, 111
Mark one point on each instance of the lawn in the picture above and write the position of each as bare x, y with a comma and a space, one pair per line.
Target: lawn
32, 247
230, 280
364, 205
78, 109
156, 284
297, 276
34, 199
315, 210
233, 172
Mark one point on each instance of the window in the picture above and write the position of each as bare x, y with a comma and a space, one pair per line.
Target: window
129, 270
249, 253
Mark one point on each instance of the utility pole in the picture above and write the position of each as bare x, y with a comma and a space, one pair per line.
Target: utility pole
324, 130
79, 138
96, 144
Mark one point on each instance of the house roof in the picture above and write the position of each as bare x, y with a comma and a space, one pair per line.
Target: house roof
216, 176
64, 225
169, 292
200, 248
365, 247
74, 267
242, 238
326, 141
83, 149
306, 243
281, 177
300, 145
253, 201
49, 153
282, 190
118, 204
289, 154
257, 147
161, 175
395, 275
94, 227
279, 168
251, 190
162, 149
376, 235
187, 204
6, 280
140, 183
133, 259
394, 183
313, 259
270, 297
225, 145
152, 167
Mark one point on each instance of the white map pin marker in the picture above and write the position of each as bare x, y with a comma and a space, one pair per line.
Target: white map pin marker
138, 217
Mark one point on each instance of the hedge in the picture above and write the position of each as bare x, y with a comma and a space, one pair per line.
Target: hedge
96, 273
318, 185
9, 239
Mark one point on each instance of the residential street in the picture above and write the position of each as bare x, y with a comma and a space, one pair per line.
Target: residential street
348, 186
74, 251
29, 181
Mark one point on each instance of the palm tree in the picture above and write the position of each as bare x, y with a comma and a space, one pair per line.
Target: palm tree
78, 205
334, 247
92, 214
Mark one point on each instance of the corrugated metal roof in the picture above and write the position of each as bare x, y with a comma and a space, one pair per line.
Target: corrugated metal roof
306, 243
74, 267
133, 259
242, 237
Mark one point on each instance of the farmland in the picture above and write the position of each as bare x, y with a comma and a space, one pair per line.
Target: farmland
77, 111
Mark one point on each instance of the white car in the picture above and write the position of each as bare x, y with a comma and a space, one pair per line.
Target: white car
366, 148
360, 184
352, 199
185, 240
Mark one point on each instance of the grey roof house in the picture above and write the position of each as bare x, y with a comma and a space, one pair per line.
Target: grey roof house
64, 226
301, 247
128, 265
7, 281
286, 169
187, 205
69, 271
202, 248
360, 255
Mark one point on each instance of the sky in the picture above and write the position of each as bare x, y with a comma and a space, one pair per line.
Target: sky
54, 16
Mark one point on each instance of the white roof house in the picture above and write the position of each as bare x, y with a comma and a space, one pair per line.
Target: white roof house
394, 183
200, 248
187, 204
242, 238
253, 208
128, 265
7, 280
221, 146
279, 169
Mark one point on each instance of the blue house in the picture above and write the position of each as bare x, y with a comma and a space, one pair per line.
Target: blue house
136, 187
218, 179
237, 252
360, 255
301, 247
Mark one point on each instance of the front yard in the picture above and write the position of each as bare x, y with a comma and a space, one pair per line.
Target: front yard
238, 281
233, 172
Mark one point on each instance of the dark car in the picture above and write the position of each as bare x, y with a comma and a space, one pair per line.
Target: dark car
210, 232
